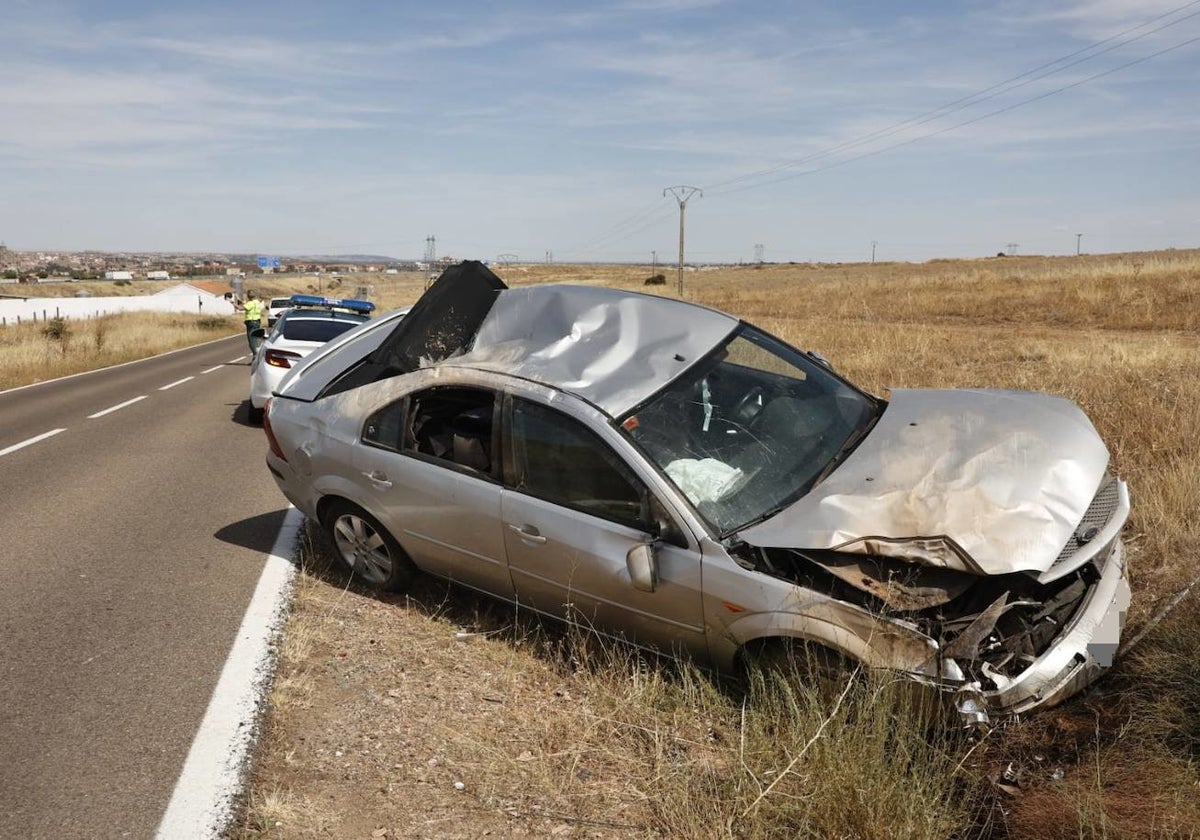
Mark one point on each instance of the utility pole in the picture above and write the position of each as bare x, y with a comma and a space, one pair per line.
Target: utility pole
873, 244
1078, 238
759, 252
1012, 248
653, 263
682, 194
430, 259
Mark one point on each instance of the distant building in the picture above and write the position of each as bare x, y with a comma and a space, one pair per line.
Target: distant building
208, 296
234, 272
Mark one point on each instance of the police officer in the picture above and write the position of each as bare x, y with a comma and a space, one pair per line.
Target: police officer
253, 310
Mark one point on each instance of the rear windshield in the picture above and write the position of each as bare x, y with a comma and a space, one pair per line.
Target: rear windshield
280, 303
312, 329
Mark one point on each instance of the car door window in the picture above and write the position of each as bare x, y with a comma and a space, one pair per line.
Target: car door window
451, 425
558, 459
385, 428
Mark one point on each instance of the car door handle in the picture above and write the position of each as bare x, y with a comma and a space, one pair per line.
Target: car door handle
378, 478
531, 535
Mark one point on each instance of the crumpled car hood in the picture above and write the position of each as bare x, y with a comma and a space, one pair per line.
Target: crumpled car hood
985, 481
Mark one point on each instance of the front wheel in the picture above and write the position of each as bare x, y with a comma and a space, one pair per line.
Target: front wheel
806, 668
368, 550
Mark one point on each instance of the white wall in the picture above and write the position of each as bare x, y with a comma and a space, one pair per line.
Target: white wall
28, 308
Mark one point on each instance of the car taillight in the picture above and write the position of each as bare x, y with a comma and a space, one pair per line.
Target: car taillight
271, 441
280, 358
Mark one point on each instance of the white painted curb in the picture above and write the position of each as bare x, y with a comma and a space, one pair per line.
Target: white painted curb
212, 775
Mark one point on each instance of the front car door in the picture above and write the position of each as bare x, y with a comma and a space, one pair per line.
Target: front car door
572, 509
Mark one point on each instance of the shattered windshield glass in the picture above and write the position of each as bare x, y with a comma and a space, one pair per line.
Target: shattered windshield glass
750, 429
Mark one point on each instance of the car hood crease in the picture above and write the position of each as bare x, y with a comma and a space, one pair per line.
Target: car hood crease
985, 481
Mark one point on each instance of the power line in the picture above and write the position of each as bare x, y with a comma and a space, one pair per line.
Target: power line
983, 95
654, 213
964, 123
619, 230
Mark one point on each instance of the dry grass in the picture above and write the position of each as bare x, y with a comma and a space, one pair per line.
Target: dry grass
383, 705
46, 350
380, 709
556, 736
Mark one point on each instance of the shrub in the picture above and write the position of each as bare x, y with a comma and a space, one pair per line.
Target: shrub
57, 329
100, 333
655, 280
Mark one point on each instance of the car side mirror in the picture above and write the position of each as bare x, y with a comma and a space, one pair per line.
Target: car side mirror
643, 568
663, 526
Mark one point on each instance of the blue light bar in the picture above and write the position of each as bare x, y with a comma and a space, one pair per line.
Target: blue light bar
333, 303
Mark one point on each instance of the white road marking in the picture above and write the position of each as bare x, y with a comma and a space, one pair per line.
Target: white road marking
32, 440
202, 803
211, 369
176, 382
235, 361
117, 407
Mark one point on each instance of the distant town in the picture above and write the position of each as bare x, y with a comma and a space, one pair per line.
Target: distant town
38, 266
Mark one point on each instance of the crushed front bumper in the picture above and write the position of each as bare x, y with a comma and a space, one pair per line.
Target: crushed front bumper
1081, 653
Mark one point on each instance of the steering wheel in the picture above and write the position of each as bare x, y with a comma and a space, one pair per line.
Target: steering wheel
749, 407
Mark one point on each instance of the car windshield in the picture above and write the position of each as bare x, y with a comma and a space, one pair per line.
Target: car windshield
317, 329
750, 429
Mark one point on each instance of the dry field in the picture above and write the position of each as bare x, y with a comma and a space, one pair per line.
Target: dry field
382, 704
437, 714
47, 350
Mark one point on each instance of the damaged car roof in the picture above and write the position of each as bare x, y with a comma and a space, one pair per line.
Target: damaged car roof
613, 348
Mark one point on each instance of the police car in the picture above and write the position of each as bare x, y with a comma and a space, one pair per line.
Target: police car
308, 322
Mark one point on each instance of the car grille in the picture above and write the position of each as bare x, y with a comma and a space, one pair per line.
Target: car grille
1098, 513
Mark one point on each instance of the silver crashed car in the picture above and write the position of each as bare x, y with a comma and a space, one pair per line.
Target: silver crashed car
671, 475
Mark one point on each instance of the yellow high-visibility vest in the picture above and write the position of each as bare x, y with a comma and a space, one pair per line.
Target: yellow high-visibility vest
254, 310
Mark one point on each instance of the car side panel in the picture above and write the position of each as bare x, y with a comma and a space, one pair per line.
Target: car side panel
572, 565
448, 522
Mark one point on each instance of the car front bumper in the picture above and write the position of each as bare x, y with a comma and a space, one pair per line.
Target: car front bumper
1083, 651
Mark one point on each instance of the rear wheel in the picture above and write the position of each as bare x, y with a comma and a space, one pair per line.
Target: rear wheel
370, 553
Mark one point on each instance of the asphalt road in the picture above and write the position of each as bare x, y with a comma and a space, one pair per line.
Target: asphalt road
130, 544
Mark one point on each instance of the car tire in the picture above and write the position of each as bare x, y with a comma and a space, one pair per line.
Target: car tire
369, 552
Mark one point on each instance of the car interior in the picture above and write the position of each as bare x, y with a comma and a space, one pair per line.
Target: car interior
453, 424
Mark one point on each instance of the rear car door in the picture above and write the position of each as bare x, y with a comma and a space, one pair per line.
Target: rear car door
572, 509
429, 461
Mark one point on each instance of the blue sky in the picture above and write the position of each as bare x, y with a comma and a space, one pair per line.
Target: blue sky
527, 127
